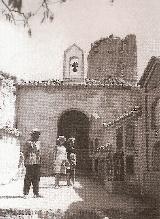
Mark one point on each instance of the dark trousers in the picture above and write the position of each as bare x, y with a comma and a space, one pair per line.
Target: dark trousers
32, 177
57, 178
70, 176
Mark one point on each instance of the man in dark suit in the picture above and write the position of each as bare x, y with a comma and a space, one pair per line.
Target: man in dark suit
32, 162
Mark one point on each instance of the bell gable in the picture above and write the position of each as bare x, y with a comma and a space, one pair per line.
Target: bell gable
73, 66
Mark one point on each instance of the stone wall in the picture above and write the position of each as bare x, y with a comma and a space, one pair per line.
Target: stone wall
9, 154
113, 56
7, 100
133, 175
150, 88
151, 180
42, 107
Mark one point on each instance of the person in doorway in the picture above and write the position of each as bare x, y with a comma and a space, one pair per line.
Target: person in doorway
32, 162
70, 146
71, 169
60, 159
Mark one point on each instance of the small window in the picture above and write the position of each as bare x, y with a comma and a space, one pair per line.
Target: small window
110, 51
129, 164
96, 143
156, 156
91, 145
96, 50
129, 138
157, 114
119, 139
96, 165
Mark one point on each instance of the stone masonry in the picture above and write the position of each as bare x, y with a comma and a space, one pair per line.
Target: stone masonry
113, 56
42, 106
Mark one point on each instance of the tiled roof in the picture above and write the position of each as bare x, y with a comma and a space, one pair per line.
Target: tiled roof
8, 130
147, 70
134, 112
109, 82
40, 83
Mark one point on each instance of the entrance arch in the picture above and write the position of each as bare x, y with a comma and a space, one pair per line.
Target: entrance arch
74, 123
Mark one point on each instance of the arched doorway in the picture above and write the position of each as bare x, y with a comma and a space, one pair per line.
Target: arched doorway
74, 123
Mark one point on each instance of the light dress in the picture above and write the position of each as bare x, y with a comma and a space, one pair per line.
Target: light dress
61, 158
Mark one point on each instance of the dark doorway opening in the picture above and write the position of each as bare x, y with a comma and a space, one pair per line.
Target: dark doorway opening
74, 123
119, 139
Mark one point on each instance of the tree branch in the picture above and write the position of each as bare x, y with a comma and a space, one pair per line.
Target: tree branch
9, 10
13, 9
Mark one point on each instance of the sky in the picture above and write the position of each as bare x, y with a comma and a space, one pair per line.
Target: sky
77, 21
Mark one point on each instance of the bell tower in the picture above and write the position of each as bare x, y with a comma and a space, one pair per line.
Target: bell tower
73, 65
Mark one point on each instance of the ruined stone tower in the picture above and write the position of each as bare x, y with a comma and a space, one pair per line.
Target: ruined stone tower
113, 56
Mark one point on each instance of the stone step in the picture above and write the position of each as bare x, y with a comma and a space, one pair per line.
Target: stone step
133, 189
120, 187
114, 186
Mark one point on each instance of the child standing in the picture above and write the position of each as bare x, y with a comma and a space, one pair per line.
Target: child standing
70, 169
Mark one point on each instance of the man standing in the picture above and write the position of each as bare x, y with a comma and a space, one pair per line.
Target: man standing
32, 162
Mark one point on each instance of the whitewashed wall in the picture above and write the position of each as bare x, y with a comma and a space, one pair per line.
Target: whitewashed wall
9, 157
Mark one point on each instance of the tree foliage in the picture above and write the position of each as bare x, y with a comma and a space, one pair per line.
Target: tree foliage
14, 12
15, 4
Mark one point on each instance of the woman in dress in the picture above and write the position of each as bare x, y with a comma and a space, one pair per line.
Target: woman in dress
60, 159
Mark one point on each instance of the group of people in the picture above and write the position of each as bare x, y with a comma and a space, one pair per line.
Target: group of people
65, 162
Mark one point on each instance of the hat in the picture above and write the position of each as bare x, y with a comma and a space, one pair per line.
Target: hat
72, 155
35, 130
61, 139
71, 139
